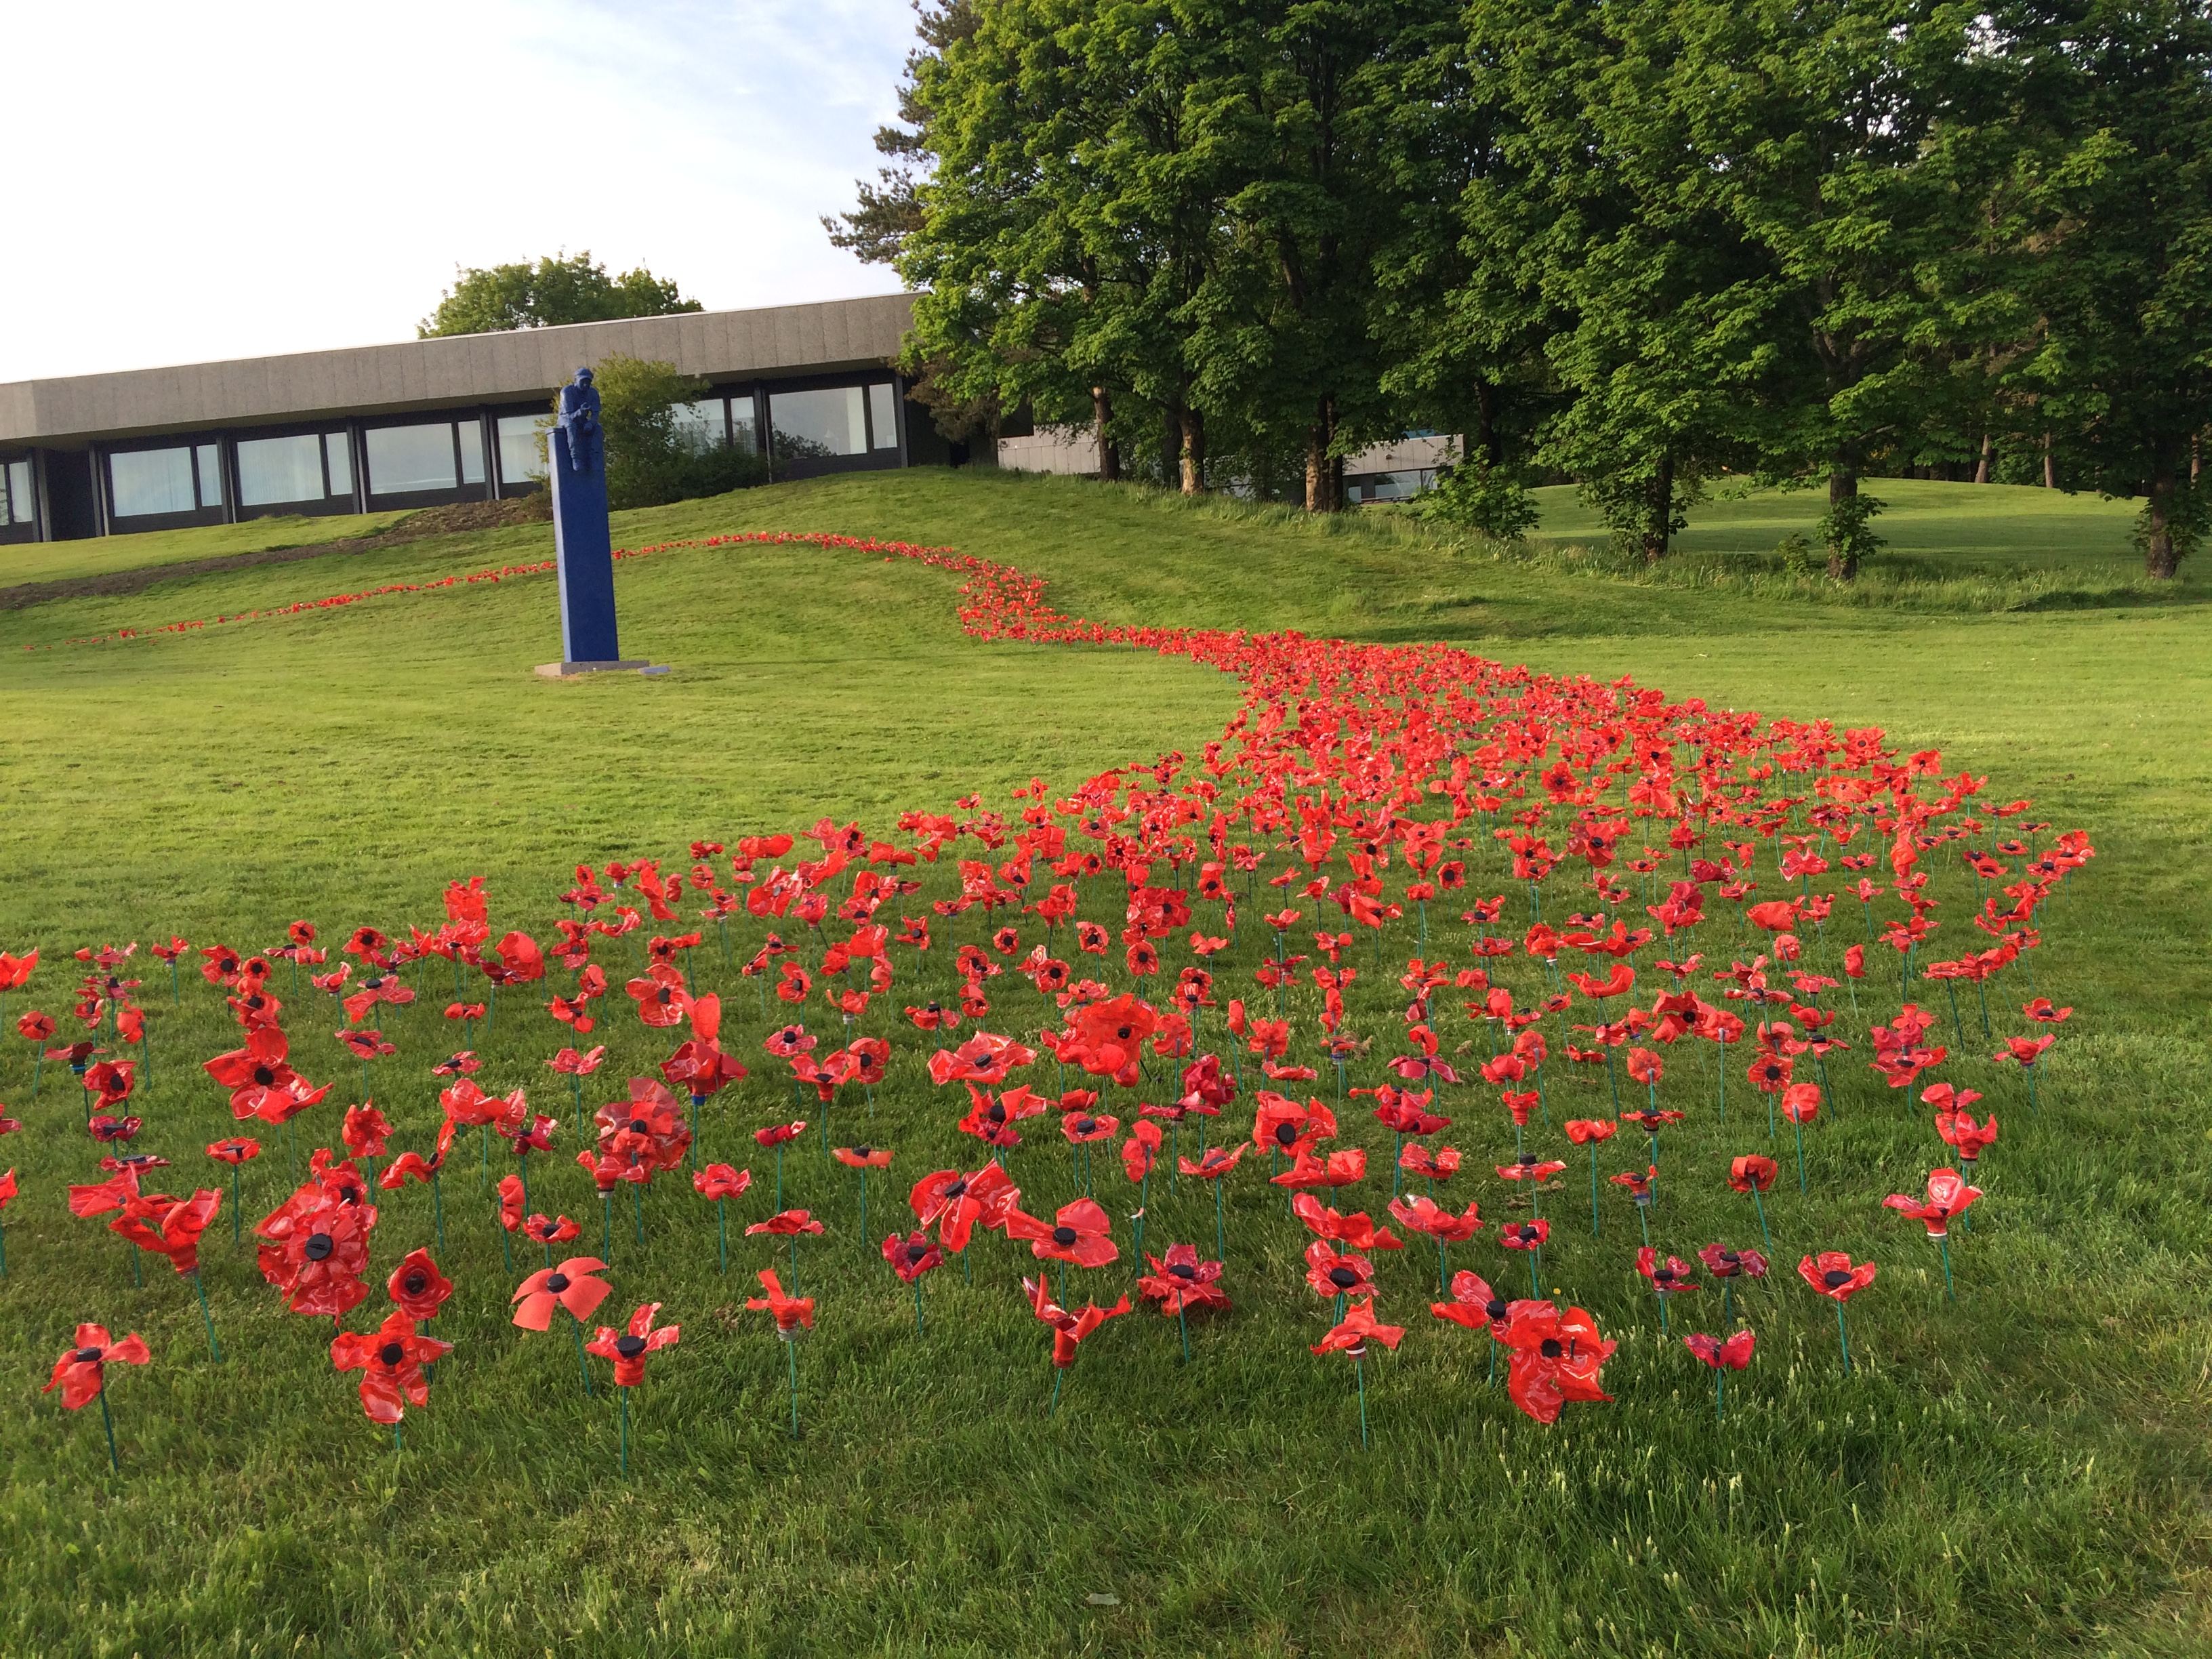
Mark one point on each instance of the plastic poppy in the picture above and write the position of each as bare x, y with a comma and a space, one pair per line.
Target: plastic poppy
1068, 1329
1356, 1230
1731, 1354
1213, 1164
79, 1373
954, 1203
1282, 1125
1833, 1273
1081, 1235
1557, 1356
1439, 1166
1333, 1275
785, 1223
317, 1253
391, 1359
863, 1158
720, 1181
1474, 1304
912, 1256
416, 1288
1958, 1129
793, 1314
169, 1226
1351, 1334
1180, 1281
777, 1134
1948, 1194
570, 1286
1338, 1169
1752, 1174
631, 1346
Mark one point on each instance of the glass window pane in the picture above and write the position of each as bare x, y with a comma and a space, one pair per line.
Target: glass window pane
819, 423
521, 451
272, 469
147, 481
210, 475
743, 433
22, 505
339, 454
471, 436
699, 426
403, 458
881, 418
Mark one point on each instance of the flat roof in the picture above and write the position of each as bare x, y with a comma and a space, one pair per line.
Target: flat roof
450, 371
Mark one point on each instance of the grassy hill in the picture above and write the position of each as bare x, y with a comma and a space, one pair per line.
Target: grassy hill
2023, 1472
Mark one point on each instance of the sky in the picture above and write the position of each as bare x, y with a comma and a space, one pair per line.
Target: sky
240, 178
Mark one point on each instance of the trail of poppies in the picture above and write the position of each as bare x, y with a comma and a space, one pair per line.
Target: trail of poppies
1373, 780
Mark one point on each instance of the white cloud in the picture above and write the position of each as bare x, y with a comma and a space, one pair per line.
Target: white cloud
248, 177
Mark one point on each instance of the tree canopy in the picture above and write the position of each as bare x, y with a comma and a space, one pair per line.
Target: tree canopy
559, 288
1637, 244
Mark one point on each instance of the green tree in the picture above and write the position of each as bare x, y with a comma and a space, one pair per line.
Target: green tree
651, 458
2123, 366
556, 290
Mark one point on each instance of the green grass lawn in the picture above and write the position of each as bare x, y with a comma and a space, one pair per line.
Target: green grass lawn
2010, 525
2024, 1471
38, 562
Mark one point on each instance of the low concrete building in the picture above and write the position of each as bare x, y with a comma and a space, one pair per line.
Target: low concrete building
426, 423
1381, 472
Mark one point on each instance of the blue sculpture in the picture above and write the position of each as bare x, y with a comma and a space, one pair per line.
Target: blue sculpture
583, 545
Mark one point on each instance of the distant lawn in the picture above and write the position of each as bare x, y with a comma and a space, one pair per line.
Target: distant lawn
39, 561
1967, 524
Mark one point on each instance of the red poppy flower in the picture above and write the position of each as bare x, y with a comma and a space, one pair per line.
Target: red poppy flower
1474, 1304
1333, 1274
550, 1229
510, 1192
112, 1080
777, 1134
1958, 1129
1405, 1111
1356, 1230
1282, 1125
1440, 1165
2039, 1010
1141, 1149
1651, 1122
1340, 1169
785, 1223
416, 1288
720, 1181
661, 997
570, 1286
391, 1359
1530, 1167
1584, 1130
365, 1130
7, 1186
1733, 1264
2026, 1050
1068, 1329
1557, 1356
569, 1063
413, 1166
15, 972
78, 1372
107, 1130
367, 1044
1524, 1235
1214, 1163
630, 1347
1948, 1194
791, 1314
234, 1151
142, 1162
912, 1256
1081, 1126
1425, 1215
1733, 1354
863, 1158
1179, 1281
1081, 1234
1351, 1334
954, 1203
1831, 1273
647, 1132
169, 1226
317, 1254
1801, 1102
1668, 1275
1752, 1174
984, 1058
35, 1027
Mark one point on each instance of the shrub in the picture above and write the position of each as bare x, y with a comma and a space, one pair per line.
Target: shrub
1476, 495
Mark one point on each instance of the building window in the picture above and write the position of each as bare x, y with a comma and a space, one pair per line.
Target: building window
281, 469
883, 419
144, 482
407, 460
744, 429
208, 458
521, 450
337, 454
19, 506
469, 434
812, 425
701, 426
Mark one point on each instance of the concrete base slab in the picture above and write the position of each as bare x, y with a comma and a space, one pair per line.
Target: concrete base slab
561, 670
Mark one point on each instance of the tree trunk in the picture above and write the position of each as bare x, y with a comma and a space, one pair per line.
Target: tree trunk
1324, 492
1487, 438
1659, 511
1843, 561
2050, 463
1109, 458
1193, 451
2160, 560
1982, 466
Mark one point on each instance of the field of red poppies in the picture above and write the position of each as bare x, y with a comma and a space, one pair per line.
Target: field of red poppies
1074, 1080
